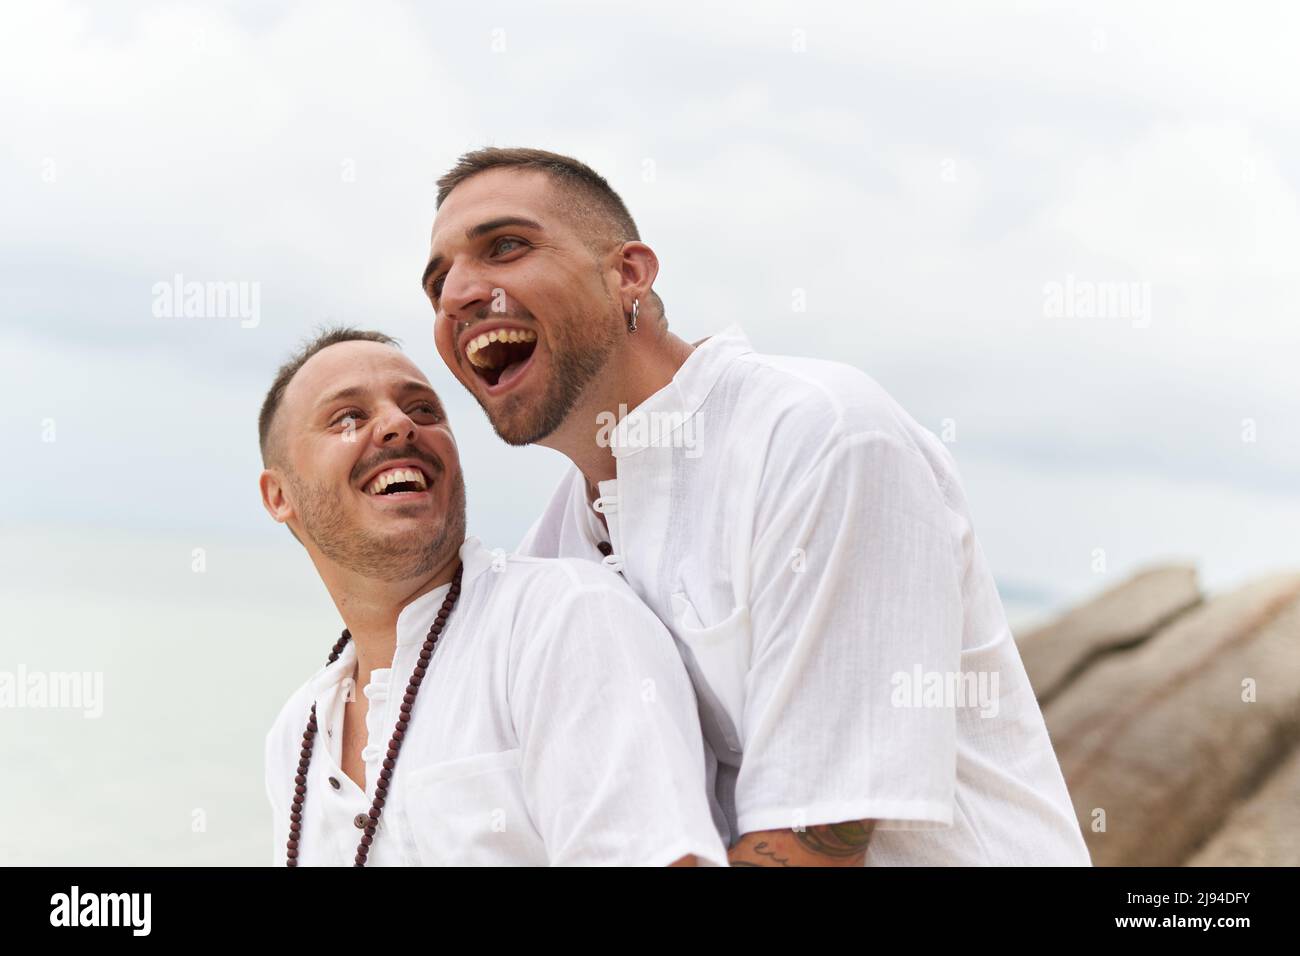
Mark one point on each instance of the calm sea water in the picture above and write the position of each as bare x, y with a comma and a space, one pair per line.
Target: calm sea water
196, 659
197, 653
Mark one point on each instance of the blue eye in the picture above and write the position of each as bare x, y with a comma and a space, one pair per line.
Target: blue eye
497, 244
352, 416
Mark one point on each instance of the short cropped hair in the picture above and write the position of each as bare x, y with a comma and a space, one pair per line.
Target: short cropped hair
598, 211
322, 340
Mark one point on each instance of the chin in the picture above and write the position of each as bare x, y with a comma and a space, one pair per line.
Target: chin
520, 423
413, 548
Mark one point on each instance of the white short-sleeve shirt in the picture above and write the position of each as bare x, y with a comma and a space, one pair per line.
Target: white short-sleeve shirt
555, 725
809, 547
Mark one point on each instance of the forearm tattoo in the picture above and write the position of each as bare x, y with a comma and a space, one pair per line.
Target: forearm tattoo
762, 849
838, 840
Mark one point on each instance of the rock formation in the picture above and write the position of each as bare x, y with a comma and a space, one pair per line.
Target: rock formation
1176, 719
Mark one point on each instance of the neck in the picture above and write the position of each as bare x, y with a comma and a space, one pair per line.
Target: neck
630, 377
370, 608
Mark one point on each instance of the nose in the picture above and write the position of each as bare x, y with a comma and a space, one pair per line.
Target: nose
465, 290
394, 427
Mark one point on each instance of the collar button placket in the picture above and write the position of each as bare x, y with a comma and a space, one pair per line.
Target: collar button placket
607, 505
394, 745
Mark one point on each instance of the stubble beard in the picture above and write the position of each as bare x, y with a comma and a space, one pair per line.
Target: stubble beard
391, 557
521, 421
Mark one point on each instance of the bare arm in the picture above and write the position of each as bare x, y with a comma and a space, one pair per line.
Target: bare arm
831, 844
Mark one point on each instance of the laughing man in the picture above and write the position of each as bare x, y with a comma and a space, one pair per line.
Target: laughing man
807, 543
511, 711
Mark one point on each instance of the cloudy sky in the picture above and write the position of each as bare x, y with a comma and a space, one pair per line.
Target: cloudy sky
949, 198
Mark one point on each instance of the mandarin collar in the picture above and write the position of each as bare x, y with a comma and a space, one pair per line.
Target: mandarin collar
413, 621
688, 389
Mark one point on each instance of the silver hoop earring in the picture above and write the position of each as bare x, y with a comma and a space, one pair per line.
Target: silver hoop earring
636, 307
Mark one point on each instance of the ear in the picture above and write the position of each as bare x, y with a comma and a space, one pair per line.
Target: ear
274, 499
638, 266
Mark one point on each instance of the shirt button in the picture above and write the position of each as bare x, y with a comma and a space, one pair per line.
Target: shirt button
360, 820
334, 783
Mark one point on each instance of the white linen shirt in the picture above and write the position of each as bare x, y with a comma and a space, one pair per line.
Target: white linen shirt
555, 725
809, 547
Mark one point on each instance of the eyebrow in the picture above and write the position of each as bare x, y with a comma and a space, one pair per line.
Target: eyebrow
356, 391
473, 233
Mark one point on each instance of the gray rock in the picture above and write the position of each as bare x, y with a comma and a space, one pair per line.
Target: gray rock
1121, 617
1158, 735
1265, 829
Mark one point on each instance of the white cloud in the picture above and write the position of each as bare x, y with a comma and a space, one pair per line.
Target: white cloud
919, 175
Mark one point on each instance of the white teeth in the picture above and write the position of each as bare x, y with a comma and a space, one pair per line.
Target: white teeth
395, 475
476, 344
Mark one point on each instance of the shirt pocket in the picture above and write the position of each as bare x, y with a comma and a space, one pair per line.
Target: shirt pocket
471, 812
718, 663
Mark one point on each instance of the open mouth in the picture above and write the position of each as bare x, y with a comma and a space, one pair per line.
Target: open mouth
397, 481
498, 357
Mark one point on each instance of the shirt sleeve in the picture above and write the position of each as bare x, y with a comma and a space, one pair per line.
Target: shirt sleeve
612, 755
856, 612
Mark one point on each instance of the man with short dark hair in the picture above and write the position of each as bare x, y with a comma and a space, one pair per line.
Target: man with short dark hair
512, 711
806, 541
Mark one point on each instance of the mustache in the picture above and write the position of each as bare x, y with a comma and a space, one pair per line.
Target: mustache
437, 468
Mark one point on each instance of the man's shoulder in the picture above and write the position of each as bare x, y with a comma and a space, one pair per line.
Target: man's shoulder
576, 605
551, 579
811, 408
799, 390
